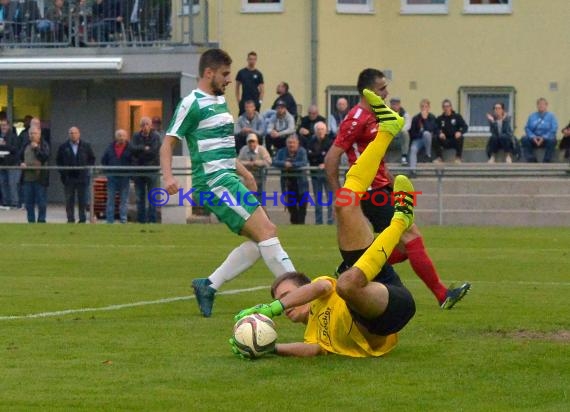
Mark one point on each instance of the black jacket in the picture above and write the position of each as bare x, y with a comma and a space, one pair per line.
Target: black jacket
66, 157
420, 125
451, 124
41, 153
110, 159
142, 157
11, 145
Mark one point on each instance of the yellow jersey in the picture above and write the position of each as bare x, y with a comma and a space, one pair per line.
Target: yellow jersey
331, 326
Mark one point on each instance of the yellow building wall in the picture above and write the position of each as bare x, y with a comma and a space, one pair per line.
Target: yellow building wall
527, 49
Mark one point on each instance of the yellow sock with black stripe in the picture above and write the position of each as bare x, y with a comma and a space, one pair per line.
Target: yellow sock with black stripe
380, 250
361, 174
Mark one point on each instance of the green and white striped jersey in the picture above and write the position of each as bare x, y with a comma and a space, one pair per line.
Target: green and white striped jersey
204, 121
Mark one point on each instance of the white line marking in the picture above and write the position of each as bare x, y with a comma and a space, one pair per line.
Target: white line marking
123, 306
107, 246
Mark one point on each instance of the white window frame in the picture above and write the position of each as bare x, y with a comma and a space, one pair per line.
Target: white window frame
186, 7
469, 8
367, 8
465, 109
407, 8
247, 7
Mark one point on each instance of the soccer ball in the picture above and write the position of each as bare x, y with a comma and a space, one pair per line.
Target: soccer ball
255, 335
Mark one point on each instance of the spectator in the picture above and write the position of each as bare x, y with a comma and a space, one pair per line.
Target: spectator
9, 14
338, 115
118, 153
540, 131
317, 149
107, 19
256, 159
422, 131
249, 84
34, 121
565, 142
75, 153
307, 127
249, 122
294, 184
145, 148
35, 182
157, 127
280, 128
403, 138
58, 15
283, 95
9, 151
501, 133
451, 127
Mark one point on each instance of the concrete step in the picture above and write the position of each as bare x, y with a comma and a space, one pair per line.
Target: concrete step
498, 186
493, 202
496, 218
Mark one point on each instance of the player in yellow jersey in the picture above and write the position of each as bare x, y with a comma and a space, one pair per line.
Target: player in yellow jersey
360, 313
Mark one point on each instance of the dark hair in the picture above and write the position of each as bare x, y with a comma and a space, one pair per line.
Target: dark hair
213, 59
286, 85
297, 278
249, 101
366, 79
252, 53
500, 104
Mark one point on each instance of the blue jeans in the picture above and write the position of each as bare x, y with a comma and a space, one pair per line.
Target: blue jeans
320, 184
118, 184
424, 142
5, 187
528, 147
143, 185
35, 194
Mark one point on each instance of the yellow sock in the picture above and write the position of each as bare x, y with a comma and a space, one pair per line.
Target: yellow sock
361, 174
380, 250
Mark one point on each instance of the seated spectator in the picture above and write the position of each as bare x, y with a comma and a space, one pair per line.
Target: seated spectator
317, 148
35, 182
337, 115
565, 142
451, 127
256, 159
307, 127
58, 15
402, 139
422, 130
294, 184
501, 133
118, 153
107, 17
283, 95
9, 152
540, 131
280, 128
249, 122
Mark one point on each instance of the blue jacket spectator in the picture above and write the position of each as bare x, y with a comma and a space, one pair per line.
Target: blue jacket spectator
540, 131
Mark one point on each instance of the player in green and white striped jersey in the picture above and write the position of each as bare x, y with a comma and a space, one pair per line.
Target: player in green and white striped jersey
203, 120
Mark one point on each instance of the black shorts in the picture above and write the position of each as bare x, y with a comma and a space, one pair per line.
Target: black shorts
379, 212
401, 306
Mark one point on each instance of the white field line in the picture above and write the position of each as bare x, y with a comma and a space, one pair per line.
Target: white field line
122, 306
96, 246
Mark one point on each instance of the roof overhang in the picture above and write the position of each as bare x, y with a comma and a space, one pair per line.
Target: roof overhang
61, 63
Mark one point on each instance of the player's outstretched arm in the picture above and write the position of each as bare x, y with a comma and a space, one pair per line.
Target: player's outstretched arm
248, 179
298, 349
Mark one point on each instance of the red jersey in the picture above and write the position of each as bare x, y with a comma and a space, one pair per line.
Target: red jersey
359, 128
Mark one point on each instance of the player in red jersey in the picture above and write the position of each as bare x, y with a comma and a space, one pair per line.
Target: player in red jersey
356, 131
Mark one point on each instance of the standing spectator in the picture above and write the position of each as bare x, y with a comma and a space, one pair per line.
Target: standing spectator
118, 153
280, 128
9, 151
35, 182
36, 122
249, 84
75, 153
157, 127
294, 184
565, 142
249, 122
58, 15
452, 127
402, 138
540, 130
317, 149
501, 133
422, 131
283, 95
107, 19
338, 115
145, 148
307, 127
256, 159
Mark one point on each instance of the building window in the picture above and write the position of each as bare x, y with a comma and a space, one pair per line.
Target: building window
355, 6
186, 7
424, 7
335, 92
262, 6
488, 6
476, 102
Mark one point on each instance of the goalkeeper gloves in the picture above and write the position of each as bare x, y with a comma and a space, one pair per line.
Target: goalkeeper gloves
274, 308
389, 120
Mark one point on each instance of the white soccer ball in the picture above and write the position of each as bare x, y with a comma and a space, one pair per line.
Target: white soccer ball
255, 335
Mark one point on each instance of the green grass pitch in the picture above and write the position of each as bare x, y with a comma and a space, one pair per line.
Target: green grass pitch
505, 347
